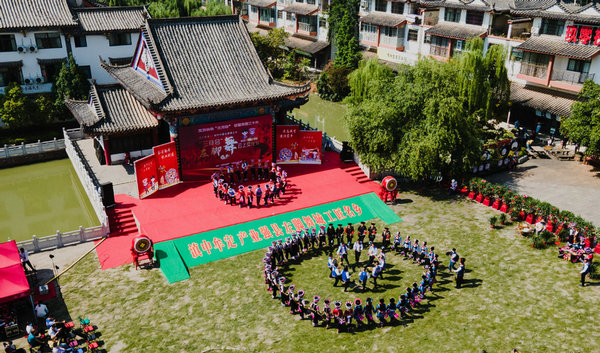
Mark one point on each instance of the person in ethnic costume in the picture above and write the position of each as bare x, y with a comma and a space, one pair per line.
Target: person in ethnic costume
338, 314
381, 312
369, 310
348, 315
315, 315
322, 237
358, 312
327, 313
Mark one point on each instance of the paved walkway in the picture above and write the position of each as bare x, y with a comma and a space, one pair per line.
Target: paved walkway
122, 177
568, 185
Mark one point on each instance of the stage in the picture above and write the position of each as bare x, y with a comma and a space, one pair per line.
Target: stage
191, 207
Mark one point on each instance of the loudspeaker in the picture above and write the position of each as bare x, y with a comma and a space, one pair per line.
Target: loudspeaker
347, 154
108, 194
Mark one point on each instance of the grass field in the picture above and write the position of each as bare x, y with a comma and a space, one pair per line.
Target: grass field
516, 296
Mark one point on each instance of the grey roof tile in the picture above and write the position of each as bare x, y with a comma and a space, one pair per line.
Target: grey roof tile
383, 19
305, 45
28, 14
261, 3
301, 9
203, 62
456, 31
105, 19
543, 99
558, 46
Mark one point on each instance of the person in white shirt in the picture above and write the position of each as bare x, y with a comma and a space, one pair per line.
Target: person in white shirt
41, 310
337, 274
453, 187
372, 253
584, 271
57, 349
358, 248
29, 328
24, 255
343, 253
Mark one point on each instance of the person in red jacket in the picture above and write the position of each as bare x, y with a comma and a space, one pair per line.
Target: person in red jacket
249, 196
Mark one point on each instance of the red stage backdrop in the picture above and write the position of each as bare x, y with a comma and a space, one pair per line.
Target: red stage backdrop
166, 164
145, 175
288, 150
310, 144
214, 144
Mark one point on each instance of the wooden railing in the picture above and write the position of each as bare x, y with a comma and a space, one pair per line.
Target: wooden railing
534, 70
31, 148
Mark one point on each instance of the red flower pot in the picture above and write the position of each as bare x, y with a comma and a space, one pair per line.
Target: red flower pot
529, 219
504, 208
479, 198
486, 201
471, 195
496, 204
464, 190
550, 227
522, 215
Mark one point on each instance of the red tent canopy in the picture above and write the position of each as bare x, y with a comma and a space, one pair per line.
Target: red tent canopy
13, 282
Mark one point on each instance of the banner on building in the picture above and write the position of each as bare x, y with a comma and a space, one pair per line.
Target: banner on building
208, 146
311, 143
166, 164
288, 148
146, 176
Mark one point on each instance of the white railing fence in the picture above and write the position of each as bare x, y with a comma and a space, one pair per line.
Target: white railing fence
59, 239
31, 148
86, 176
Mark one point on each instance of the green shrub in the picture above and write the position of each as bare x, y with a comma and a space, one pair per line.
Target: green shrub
493, 221
538, 242
547, 237
502, 218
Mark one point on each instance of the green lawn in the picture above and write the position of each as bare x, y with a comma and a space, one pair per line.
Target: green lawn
517, 297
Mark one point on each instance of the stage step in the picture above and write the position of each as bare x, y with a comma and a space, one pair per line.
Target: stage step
122, 222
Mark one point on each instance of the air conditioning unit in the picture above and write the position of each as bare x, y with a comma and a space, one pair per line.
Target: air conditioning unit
33, 48
22, 50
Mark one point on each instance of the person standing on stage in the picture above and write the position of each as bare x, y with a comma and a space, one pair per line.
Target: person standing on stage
231, 195
240, 196
245, 170
230, 173
267, 193
215, 183
342, 252
358, 248
273, 173
258, 194
584, 271
249, 196
349, 233
253, 169
460, 273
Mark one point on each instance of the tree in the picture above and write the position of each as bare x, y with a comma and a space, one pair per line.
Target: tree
343, 32
333, 83
429, 118
583, 125
270, 50
16, 107
70, 82
213, 8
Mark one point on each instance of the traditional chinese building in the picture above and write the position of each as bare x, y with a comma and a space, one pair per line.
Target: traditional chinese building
198, 81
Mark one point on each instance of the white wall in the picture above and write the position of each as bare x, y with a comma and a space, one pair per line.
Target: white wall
97, 45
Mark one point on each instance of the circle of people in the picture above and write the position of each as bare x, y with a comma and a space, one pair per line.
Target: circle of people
228, 177
353, 313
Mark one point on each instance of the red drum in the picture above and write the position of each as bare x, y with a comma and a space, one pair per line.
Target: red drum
141, 244
389, 183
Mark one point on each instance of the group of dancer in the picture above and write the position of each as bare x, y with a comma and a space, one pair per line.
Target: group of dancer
351, 314
227, 184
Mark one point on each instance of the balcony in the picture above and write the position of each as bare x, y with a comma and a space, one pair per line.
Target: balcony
368, 38
534, 70
392, 42
437, 50
307, 28
569, 80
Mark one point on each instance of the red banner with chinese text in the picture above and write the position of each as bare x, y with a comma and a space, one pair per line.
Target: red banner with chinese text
166, 164
146, 176
310, 147
288, 151
212, 145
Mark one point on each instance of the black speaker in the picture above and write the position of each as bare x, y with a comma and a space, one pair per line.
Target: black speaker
108, 194
347, 154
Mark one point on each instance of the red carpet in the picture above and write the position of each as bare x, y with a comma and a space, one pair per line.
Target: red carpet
190, 207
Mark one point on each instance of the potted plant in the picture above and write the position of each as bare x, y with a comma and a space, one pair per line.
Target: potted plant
538, 242
547, 237
515, 214
502, 218
493, 221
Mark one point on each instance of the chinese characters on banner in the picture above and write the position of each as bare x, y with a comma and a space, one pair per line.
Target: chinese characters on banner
288, 151
311, 144
295, 146
585, 35
230, 241
211, 145
146, 176
166, 164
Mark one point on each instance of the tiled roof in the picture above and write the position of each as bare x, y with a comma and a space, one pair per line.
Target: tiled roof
456, 31
203, 62
104, 19
462, 4
543, 99
383, 19
119, 112
261, 3
28, 14
558, 46
307, 46
301, 9
572, 12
